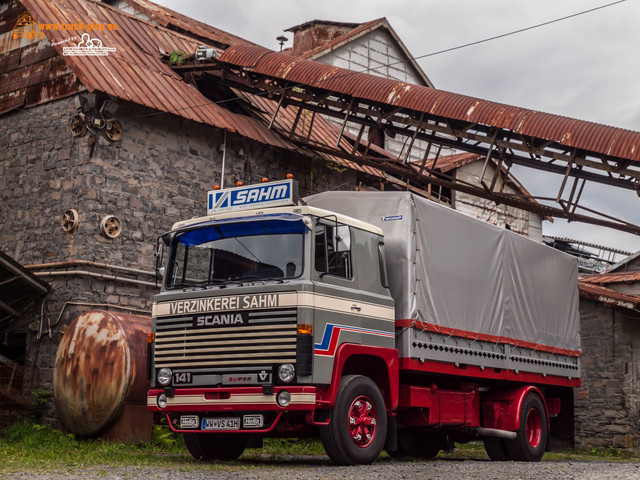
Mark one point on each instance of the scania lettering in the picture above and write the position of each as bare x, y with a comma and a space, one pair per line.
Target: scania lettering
212, 320
372, 320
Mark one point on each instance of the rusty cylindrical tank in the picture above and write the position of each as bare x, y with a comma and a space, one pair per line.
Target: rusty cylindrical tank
101, 368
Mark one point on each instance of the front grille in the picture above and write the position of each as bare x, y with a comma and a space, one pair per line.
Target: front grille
268, 337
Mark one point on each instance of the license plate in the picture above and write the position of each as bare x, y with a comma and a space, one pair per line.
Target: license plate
252, 421
225, 423
189, 421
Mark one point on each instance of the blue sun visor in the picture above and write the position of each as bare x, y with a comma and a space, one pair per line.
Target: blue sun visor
242, 227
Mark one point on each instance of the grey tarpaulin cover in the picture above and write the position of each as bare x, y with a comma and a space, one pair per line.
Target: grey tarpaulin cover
452, 270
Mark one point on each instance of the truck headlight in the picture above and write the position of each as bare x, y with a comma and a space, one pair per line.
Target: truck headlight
164, 376
283, 398
286, 372
161, 401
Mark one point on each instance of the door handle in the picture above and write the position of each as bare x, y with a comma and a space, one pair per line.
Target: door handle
356, 308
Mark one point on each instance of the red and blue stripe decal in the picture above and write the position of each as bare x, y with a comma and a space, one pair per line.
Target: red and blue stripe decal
331, 334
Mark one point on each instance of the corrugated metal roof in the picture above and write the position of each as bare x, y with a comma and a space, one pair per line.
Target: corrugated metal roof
178, 22
588, 136
31, 72
607, 296
18, 289
617, 277
135, 70
446, 163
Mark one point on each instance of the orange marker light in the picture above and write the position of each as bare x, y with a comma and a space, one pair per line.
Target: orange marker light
305, 329
239, 184
265, 179
289, 175
151, 337
216, 187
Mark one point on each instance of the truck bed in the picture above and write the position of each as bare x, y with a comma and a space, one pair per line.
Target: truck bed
469, 293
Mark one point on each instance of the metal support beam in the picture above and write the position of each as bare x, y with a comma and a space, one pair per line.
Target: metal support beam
420, 125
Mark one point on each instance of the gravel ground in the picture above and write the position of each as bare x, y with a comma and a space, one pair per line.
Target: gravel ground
315, 468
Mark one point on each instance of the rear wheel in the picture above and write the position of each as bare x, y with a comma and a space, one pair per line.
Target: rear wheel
358, 422
210, 446
531, 441
496, 449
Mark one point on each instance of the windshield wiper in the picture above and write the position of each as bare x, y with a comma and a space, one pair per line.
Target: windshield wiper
212, 283
254, 278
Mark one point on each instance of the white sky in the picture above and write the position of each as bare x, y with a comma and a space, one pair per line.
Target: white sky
585, 67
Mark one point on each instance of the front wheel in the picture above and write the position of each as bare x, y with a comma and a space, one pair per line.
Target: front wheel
358, 422
531, 441
211, 446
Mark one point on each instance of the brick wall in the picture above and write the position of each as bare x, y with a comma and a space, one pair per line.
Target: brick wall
607, 405
157, 174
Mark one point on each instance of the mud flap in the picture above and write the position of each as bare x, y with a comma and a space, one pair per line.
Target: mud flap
391, 440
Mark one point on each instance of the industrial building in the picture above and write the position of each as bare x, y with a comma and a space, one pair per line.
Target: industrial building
101, 154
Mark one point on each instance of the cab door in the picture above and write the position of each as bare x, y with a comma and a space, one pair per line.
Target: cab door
343, 313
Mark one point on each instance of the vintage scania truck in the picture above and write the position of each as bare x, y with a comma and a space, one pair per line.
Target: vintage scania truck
374, 320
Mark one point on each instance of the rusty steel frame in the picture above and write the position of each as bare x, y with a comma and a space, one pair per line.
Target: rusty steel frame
511, 147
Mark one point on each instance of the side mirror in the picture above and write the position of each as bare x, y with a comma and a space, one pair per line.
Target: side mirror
160, 260
159, 253
342, 239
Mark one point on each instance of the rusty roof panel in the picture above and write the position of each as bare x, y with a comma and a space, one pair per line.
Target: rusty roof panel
356, 31
135, 71
9, 60
178, 22
548, 127
446, 163
607, 296
587, 136
626, 145
614, 277
34, 74
490, 113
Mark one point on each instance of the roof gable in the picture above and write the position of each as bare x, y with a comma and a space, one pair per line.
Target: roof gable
345, 41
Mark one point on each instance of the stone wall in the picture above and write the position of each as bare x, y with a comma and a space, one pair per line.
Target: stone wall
607, 405
158, 173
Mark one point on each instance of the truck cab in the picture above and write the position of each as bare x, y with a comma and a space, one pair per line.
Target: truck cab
260, 314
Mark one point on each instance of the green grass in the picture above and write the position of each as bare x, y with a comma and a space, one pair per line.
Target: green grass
32, 447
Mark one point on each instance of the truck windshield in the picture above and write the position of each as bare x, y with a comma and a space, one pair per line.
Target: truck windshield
237, 252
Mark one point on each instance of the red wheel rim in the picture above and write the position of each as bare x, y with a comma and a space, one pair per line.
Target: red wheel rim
534, 428
363, 420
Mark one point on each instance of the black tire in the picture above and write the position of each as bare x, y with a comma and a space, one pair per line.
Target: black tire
531, 442
496, 449
211, 446
345, 440
420, 444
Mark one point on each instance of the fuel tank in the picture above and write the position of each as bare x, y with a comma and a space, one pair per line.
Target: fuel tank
100, 376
